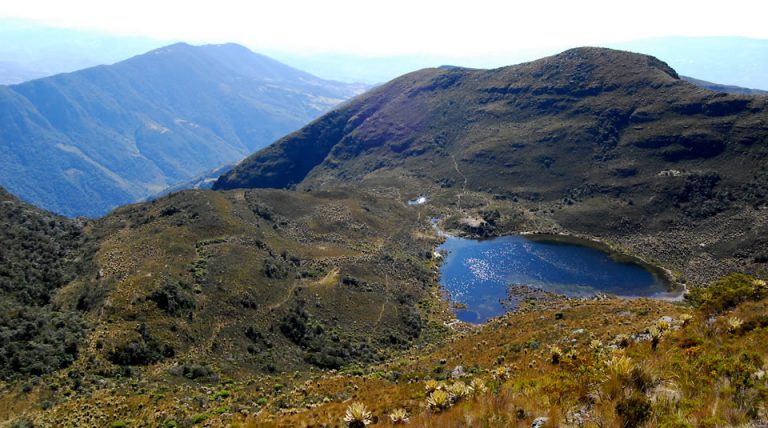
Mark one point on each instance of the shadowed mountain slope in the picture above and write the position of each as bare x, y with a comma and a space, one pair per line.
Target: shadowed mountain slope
583, 115
82, 143
598, 141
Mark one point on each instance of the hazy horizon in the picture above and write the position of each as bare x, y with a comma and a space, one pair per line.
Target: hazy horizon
398, 27
346, 41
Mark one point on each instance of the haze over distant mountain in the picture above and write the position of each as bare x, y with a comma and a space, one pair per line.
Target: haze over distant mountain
85, 142
722, 60
31, 50
729, 89
737, 61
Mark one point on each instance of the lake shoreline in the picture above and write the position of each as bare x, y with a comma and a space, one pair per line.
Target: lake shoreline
673, 290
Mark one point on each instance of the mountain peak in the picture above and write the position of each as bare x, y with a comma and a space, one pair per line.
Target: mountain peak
612, 57
579, 106
588, 70
110, 135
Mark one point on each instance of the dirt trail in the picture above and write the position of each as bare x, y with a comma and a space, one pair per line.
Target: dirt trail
464, 177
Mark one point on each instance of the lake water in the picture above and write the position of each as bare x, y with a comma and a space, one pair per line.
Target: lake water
477, 273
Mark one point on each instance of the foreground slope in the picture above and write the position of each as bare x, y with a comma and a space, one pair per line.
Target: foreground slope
597, 142
85, 142
239, 308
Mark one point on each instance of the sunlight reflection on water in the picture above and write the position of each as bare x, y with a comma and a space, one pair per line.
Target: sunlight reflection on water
478, 273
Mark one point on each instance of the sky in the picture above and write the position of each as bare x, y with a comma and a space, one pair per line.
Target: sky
466, 29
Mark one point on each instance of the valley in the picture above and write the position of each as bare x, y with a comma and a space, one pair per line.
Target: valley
83, 143
307, 280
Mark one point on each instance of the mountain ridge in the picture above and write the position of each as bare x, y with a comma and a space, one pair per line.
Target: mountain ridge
442, 78
167, 116
606, 142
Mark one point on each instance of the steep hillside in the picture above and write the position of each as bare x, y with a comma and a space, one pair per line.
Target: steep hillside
603, 143
85, 142
204, 285
41, 252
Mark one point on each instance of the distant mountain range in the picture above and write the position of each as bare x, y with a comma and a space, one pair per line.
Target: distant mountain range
85, 142
734, 61
729, 89
31, 50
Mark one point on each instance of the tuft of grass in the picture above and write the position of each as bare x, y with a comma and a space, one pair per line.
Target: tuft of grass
357, 415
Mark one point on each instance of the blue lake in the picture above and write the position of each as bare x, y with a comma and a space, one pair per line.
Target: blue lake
478, 273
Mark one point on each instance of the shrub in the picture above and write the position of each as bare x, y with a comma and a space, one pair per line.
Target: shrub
200, 418
412, 321
37, 341
143, 351
275, 269
323, 349
634, 410
172, 298
727, 292
39, 253
192, 371
22, 423
220, 394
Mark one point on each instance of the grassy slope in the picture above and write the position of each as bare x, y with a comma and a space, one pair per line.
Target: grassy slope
211, 280
703, 372
218, 277
603, 143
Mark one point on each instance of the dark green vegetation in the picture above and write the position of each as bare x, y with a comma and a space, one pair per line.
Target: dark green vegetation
597, 142
85, 142
41, 252
200, 286
277, 307
267, 276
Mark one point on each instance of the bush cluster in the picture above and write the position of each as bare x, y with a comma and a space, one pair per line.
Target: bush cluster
325, 349
36, 341
142, 351
173, 298
39, 253
727, 292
